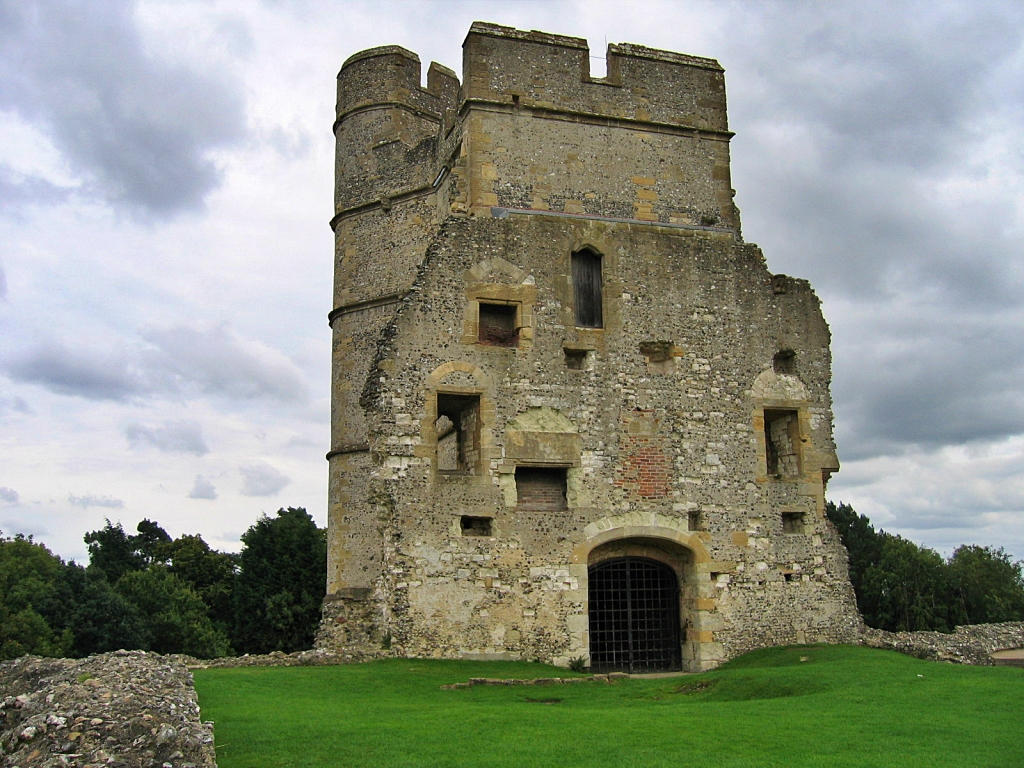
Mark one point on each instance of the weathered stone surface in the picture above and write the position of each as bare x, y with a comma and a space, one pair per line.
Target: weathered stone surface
684, 405
128, 708
973, 644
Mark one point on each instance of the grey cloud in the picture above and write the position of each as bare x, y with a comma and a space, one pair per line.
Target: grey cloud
33, 529
930, 381
9, 495
852, 135
178, 361
139, 129
202, 489
89, 500
262, 480
18, 191
13, 404
172, 437
95, 376
219, 362
883, 167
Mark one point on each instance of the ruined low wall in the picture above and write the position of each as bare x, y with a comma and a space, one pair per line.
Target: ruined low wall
126, 708
972, 644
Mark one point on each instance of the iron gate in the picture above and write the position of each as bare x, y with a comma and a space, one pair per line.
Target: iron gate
634, 616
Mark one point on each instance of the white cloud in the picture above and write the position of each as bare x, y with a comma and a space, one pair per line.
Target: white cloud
172, 437
88, 500
876, 153
8, 495
261, 479
202, 489
163, 362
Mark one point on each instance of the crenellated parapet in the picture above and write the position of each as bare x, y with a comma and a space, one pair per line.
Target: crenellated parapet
387, 125
648, 142
540, 70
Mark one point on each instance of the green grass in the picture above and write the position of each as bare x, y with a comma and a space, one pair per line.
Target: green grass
787, 707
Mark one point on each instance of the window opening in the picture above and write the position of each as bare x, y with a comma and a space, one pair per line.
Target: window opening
541, 488
475, 526
792, 522
782, 442
694, 522
575, 359
587, 287
458, 432
497, 325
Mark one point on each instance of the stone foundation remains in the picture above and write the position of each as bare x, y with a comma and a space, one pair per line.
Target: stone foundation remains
974, 644
554, 353
127, 708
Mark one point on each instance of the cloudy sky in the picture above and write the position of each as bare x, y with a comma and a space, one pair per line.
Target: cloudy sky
165, 258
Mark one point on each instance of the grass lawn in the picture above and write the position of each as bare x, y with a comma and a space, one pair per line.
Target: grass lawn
787, 707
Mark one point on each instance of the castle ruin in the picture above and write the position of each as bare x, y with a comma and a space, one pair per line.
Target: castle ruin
574, 415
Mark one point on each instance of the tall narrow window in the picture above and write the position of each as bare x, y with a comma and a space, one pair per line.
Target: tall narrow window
458, 432
586, 286
782, 442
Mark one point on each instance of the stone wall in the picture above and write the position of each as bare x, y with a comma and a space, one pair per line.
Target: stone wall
127, 709
693, 425
972, 644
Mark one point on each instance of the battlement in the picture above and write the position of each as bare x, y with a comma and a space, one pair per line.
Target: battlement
541, 70
390, 75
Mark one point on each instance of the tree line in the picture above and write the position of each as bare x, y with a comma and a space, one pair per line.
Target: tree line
901, 586
151, 592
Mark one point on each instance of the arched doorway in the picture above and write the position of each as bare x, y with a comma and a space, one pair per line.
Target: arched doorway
634, 616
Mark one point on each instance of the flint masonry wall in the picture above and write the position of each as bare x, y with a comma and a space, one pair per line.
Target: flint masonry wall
455, 198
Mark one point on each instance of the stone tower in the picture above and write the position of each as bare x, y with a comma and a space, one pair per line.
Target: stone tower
574, 415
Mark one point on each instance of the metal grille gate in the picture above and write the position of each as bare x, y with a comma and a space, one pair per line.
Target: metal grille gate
634, 616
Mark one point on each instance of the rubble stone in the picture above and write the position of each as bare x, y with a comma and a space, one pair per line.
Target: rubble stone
128, 709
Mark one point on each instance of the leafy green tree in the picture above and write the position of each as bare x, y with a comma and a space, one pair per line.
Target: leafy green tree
862, 542
114, 552
151, 542
209, 572
906, 589
281, 581
100, 619
903, 586
174, 616
28, 572
988, 585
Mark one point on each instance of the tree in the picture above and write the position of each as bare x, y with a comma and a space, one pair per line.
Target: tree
151, 543
209, 572
862, 542
173, 615
906, 589
85, 604
28, 572
114, 552
281, 582
988, 585
903, 586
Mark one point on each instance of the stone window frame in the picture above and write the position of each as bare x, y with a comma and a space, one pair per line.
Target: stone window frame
460, 438
522, 296
803, 445
435, 384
